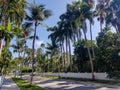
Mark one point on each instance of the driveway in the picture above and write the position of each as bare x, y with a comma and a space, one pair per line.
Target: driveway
61, 84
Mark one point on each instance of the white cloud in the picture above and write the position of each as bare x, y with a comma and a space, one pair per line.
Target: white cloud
38, 42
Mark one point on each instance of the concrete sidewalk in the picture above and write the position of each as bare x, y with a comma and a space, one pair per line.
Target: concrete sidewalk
9, 84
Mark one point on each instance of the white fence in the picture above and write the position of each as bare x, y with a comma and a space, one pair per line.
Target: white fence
100, 76
1, 80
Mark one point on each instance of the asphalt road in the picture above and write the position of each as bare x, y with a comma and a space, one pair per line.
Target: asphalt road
61, 84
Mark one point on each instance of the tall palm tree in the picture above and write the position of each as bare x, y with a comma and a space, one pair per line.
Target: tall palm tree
113, 15
101, 8
91, 16
57, 36
38, 14
11, 11
82, 10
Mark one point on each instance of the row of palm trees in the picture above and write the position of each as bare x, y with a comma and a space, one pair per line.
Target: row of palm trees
69, 28
73, 23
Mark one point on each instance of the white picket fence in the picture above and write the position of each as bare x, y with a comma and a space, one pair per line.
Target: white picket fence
100, 76
2, 80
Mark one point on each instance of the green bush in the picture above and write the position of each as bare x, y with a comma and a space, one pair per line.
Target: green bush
26, 70
114, 75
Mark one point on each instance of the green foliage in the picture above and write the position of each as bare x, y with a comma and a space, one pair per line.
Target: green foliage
107, 52
5, 60
81, 59
114, 75
26, 70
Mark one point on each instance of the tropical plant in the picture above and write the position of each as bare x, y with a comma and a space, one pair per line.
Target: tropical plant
38, 14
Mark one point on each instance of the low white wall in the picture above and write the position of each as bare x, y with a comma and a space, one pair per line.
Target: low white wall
101, 76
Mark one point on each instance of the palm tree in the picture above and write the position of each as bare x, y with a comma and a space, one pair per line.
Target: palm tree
57, 36
82, 10
6, 56
11, 11
101, 8
91, 16
113, 15
38, 14
53, 51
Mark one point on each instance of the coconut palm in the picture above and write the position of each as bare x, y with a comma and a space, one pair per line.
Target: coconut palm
113, 15
4, 62
11, 11
101, 8
38, 14
82, 10
57, 36
91, 16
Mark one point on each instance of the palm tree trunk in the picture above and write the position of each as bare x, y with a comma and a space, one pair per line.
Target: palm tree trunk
23, 60
92, 40
66, 52
100, 26
70, 55
33, 49
20, 65
63, 57
61, 45
118, 28
1, 42
90, 58
79, 34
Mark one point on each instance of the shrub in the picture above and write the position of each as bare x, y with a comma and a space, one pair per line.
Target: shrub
26, 70
114, 75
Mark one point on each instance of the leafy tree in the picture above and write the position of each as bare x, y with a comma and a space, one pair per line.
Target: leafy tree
4, 61
81, 58
107, 52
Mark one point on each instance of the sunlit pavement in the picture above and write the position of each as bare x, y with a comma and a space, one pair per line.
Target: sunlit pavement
60, 84
9, 85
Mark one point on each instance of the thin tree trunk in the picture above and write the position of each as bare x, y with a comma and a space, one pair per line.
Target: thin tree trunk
20, 65
70, 55
79, 34
66, 52
62, 54
23, 59
1, 42
64, 57
92, 40
33, 49
90, 58
118, 28
100, 26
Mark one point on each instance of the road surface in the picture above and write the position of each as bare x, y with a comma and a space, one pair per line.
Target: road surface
61, 84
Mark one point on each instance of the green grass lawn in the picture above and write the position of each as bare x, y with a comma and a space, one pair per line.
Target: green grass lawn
88, 80
25, 85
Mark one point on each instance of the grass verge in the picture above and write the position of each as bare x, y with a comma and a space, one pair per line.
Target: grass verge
25, 85
88, 80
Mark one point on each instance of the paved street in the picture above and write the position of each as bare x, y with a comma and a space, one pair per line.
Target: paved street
9, 85
60, 84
